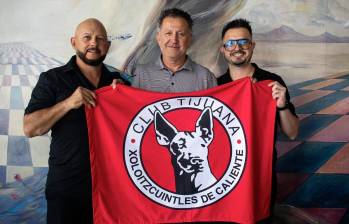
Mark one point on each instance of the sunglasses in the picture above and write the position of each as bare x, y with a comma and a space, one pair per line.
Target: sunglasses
244, 44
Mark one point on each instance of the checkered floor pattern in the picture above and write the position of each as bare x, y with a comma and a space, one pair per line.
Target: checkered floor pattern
22, 160
20, 67
313, 170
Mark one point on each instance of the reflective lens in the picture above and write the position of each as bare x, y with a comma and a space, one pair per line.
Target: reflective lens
243, 44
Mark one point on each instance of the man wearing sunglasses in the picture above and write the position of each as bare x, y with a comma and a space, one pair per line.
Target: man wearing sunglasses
237, 49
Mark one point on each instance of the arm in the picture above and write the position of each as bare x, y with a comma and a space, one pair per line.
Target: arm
288, 122
41, 121
211, 79
136, 82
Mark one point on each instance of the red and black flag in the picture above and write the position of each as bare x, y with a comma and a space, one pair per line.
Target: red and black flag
184, 157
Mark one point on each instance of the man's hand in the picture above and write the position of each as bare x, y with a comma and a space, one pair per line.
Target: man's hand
81, 96
278, 93
41, 121
116, 81
253, 80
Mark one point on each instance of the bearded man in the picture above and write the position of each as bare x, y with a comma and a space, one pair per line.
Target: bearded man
237, 48
57, 104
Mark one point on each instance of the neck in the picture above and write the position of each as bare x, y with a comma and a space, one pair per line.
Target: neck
174, 64
236, 72
92, 73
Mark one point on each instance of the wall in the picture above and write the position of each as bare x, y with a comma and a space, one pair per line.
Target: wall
300, 40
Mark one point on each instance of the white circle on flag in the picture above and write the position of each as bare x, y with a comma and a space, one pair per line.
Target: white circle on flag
152, 190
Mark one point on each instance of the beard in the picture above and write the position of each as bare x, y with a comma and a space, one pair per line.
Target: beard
92, 62
238, 63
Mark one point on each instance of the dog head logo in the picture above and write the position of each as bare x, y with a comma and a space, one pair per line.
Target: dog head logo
159, 141
189, 152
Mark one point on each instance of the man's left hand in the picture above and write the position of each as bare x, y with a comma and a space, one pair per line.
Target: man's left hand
116, 81
278, 93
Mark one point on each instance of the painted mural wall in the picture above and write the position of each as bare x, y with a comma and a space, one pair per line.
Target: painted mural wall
300, 40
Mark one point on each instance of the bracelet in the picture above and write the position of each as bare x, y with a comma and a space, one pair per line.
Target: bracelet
284, 107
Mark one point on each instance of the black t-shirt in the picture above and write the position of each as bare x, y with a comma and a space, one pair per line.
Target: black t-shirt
260, 75
69, 163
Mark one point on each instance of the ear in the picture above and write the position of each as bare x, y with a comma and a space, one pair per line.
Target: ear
204, 126
190, 41
221, 49
72, 42
158, 36
164, 130
253, 45
108, 45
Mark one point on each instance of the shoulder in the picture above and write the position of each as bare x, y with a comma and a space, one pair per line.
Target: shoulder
144, 74
147, 68
59, 69
204, 75
110, 73
53, 73
200, 69
261, 74
225, 78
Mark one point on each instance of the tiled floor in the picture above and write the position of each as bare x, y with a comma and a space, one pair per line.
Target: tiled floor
23, 161
313, 170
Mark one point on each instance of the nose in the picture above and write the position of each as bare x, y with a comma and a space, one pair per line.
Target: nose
174, 38
237, 47
93, 41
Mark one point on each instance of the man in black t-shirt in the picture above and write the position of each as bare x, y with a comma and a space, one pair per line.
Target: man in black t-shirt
237, 49
57, 104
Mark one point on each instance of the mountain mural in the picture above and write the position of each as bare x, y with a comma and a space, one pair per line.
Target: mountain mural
287, 34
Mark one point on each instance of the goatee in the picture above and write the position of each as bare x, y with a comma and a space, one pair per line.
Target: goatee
92, 62
239, 63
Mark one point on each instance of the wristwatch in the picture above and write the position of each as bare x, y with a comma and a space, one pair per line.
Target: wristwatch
287, 105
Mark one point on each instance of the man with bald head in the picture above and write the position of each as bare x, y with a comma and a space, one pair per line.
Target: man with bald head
57, 104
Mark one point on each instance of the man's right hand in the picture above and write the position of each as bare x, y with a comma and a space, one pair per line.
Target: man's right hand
81, 96
41, 121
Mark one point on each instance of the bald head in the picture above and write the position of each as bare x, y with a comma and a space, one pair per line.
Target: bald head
90, 23
90, 42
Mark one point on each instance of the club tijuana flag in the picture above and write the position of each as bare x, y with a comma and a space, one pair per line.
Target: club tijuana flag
184, 157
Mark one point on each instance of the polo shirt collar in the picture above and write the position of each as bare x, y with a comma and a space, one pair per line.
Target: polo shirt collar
255, 75
188, 65
72, 68
71, 65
